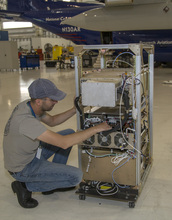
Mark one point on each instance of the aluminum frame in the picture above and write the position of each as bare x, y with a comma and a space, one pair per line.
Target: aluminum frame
137, 49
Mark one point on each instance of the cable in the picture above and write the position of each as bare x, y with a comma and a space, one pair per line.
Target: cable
141, 85
118, 168
121, 120
120, 55
79, 110
106, 192
116, 160
125, 98
123, 61
99, 156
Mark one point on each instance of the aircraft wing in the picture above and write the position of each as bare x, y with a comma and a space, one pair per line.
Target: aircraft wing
10, 15
131, 2
153, 16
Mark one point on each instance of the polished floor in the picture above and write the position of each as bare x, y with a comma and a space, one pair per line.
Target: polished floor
155, 201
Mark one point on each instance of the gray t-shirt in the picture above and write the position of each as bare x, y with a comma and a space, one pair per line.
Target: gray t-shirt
20, 144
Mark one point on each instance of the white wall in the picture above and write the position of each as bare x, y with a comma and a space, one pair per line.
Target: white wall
25, 44
40, 42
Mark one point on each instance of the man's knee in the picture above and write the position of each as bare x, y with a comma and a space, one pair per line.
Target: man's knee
78, 177
70, 131
66, 131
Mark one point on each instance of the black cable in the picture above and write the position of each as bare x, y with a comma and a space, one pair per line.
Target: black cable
140, 82
80, 111
141, 85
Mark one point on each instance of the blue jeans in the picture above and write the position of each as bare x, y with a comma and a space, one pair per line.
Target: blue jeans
41, 175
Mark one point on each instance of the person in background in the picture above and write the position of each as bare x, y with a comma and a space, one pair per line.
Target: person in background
28, 144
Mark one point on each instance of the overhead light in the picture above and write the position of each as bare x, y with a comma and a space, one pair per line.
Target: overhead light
14, 24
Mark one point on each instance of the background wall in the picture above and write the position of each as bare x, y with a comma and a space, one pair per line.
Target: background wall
40, 42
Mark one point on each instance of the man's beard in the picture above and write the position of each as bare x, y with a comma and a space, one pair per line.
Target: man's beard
47, 108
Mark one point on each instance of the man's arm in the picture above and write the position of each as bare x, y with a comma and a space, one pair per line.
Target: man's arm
59, 118
66, 141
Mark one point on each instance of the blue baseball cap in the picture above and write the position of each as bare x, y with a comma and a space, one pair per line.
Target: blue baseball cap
44, 88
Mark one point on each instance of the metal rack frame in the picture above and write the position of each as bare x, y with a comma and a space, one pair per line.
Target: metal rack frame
137, 49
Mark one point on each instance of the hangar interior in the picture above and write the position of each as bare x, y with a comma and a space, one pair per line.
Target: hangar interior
155, 199
154, 202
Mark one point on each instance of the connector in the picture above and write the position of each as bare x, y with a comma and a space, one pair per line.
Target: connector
134, 113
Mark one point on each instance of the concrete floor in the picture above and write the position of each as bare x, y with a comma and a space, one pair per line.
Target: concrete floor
155, 201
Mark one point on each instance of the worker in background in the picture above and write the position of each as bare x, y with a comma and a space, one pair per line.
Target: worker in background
20, 50
32, 51
28, 145
63, 58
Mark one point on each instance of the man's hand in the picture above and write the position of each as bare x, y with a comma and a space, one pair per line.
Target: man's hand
103, 127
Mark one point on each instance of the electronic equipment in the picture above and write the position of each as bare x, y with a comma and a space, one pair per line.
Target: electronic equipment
121, 157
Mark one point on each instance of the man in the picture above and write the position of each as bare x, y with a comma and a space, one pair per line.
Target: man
28, 145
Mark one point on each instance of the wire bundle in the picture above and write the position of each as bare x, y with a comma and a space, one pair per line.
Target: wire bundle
106, 189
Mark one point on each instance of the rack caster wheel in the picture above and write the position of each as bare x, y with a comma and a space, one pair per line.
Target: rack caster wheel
82, 197
131, 204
